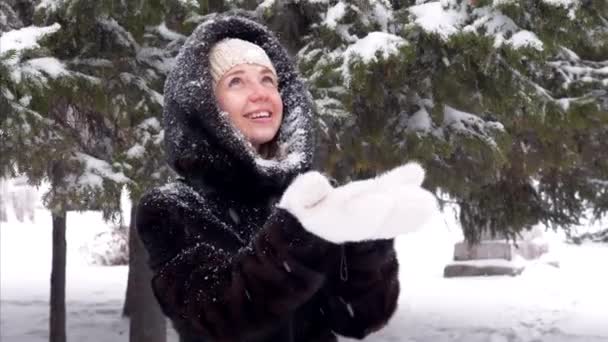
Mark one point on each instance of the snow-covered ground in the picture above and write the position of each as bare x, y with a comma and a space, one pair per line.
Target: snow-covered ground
545, 303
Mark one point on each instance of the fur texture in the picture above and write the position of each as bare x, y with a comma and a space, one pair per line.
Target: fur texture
201, 141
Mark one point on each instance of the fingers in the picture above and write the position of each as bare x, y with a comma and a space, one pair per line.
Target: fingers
306, 191
413, 207
353, 212
407, 174
379, 208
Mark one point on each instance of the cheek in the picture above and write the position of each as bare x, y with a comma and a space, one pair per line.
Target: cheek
278, 104
229, 104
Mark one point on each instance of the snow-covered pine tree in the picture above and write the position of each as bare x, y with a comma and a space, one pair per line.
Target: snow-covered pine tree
54, 127
87, 98
543, 79
503, 101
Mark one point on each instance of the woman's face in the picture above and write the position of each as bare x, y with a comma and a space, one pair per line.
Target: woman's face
249, 94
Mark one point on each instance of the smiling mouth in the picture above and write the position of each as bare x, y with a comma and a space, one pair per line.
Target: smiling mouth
259, 115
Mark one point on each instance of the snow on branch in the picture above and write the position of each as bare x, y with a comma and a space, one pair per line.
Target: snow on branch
123, 37
24, 39
334, 14
51, 5
471, 125
570, 5
433, 17
95, 171
130, 79
168, 34
447, 18
572, 68
366, 49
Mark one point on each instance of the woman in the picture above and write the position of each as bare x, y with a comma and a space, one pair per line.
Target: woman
229, 265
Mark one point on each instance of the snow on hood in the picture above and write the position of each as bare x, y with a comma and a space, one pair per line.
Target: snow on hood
201, 142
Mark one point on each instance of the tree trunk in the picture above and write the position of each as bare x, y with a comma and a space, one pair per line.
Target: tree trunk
148, 324
57, 307
126, 310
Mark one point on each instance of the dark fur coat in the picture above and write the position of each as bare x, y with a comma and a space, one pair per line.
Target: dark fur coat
228, 265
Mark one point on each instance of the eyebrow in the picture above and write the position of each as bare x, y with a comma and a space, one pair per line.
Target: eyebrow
240, 72
235, 72
267, 71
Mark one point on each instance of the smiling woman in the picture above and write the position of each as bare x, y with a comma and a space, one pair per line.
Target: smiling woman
246, 87
229, 264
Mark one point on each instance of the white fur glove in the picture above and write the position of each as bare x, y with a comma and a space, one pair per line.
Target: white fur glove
378, 208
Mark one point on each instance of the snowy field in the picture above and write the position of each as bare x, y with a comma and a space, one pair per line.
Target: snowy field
545, 303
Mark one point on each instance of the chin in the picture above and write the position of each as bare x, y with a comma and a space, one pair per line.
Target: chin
260, 142
263, 137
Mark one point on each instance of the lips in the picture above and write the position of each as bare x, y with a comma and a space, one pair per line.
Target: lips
261, 115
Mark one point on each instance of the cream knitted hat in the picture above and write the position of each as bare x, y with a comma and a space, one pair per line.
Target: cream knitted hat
230, 52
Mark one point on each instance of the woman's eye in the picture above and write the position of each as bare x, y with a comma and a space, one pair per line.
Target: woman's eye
268, 79
234, 81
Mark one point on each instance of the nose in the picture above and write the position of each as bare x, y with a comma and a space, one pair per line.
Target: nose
258, 92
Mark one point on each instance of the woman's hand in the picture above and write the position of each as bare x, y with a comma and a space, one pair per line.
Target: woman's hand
377, 208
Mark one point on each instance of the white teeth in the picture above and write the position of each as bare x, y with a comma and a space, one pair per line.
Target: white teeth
260, 115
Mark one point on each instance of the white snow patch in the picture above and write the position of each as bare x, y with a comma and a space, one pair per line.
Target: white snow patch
525, 39
136, 151
516, 262
562, 3
49, 4
122, 36
150, 123
382, 14
266, 4
334, 14
94, 62
290, 161
461, 121
570, 5
564, 103
25, 100
49, 65
168, 34
434, 18
366, 48
24, 38
96, 170
190, 3
544, 303
420, 122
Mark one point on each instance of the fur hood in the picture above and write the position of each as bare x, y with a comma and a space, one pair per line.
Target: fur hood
201, 143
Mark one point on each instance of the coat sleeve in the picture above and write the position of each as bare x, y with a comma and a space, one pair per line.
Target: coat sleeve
362, 295
222, 295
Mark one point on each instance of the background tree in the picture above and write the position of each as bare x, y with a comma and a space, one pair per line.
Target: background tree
124, 51
84, 111
48, 133
505, 103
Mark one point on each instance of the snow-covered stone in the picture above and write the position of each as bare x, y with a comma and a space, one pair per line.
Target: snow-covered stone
496, 255
489, 267
500, 249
